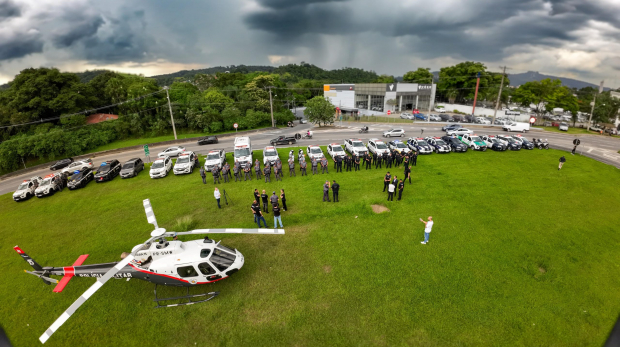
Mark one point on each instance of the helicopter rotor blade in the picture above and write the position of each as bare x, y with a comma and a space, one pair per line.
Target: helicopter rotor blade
229, 231
82, 299
150, 215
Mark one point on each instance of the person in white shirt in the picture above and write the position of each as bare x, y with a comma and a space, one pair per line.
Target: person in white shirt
427, 229
217, 195
391, 189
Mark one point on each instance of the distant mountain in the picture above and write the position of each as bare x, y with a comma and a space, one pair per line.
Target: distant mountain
167, 79
521, 78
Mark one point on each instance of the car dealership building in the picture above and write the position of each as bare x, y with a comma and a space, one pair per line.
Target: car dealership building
381, 97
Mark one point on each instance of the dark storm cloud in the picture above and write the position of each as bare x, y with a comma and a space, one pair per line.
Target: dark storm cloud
9, 9
292, 3
19, 46
80, 28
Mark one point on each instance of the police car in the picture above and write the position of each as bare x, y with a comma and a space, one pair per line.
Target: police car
51, 184
335, 150
420, 145
493, 143
314, 151
270, 155
78, 165
80, 178
161, 167
215, 157
377, 147
398, 146
473, 142
355, 146
512, 144
525, 143
108, 170
26, 189
439, 146
455, 144
185, 164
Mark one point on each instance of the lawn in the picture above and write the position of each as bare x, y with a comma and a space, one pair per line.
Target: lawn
572, 130
520, 254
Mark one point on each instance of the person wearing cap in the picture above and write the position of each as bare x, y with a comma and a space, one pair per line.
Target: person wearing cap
324, 165
356, 161
248, 173
216, 174
335, 189
278, 172
257, 169
302, 167
228, 168
274, 198
225, 173
314, 165
203, 175
326, 187
291, 167
368, 161
236, 171
267, 172
258, 214
276, 216
265, 200
401, 187
256, 195
386, 180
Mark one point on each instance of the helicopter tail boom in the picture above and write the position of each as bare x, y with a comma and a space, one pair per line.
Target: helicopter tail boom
31, 262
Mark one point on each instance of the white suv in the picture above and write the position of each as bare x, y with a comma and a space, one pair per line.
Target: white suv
186, 163
270, 155
440, 109
215, 157
377, 147
26, 189
355, 146
394, 133
314, 151
161, 167
78, 165
459, 132
51, 184
335, 150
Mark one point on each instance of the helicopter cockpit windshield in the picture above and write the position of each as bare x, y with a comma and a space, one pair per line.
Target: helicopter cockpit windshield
223, 257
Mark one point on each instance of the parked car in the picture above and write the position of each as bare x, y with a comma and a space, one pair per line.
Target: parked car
451, 127
439, 146
459, 132
132, 167
595, 128
456, 118
420, 116
517, 126
355, 146
419, 145
377, 147
563, 126
26, 189
398, 146
160, 167
444, 117
62, 163
394, 133
512, 144
215, 157
80, 178
172, 151
314, 151
482, 120
51, 184
283, 140
440, 109
336, 150
455, 144
494, 143
186, 163
434, 118
468, 119
207, 140
474, 142
78, 165
270, 155
523, 141
107, 170
404, 115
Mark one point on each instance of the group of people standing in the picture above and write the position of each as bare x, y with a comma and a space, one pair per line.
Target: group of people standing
274, 201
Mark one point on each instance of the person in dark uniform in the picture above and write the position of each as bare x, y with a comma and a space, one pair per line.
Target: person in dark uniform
368, 161
265, 199
397, 159
203, 175
377, 161
408, 173
267, 172
236, 171
229, 171
335, 189
388, 161
374, 159
406, 161
256, 195
401, 186
326, 191
257, 169
324, 165
225, 174
278, 172
414, 158
258, 215
386, 180
216, 174
338, 163
248, 173
356, 162
291, 167
302, 167
283, 197
345, 161
384, 158
350, 163
314, 165
395, 181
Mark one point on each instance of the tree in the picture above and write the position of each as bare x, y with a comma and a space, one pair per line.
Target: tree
384, 79
421, 75
606, 108
545, 95
458, 82
319, 110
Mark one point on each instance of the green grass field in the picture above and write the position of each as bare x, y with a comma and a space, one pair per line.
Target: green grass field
520, 255
573, 130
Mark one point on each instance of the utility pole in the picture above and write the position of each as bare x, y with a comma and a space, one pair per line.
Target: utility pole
501, 86
273, 124
473, 110
600, 90
174, 130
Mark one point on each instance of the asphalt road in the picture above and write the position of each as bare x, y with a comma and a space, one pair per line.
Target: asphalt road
604, 149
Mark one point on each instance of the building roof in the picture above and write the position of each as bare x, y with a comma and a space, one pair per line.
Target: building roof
100, 117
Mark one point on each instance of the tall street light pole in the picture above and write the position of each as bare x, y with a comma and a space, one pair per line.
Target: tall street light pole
600, 90
501, 86
473, 111
174, 130
273, 124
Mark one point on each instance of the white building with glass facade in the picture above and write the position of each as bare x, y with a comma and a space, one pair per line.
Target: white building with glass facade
381, 97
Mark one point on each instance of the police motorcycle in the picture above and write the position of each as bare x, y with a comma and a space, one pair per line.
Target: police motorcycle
540, 144
364, 130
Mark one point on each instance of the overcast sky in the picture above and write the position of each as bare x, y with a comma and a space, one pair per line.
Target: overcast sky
571, 38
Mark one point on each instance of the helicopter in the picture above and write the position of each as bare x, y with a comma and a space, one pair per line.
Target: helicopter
157, 260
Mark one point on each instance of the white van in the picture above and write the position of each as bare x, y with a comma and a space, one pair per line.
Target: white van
243, 151
516, 126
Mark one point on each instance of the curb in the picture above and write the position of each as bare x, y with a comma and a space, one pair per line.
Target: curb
123, 149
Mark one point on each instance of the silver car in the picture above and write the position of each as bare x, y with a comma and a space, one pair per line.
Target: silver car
563, 126
171, 151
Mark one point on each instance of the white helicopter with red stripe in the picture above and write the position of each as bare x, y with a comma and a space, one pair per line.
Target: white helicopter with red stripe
158, 260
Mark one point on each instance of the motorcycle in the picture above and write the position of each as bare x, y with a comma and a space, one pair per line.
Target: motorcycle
363, 130
307, 136
545, 144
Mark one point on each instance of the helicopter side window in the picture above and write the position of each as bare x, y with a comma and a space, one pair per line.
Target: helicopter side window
187, 271
222, 260
204, 253
206, 269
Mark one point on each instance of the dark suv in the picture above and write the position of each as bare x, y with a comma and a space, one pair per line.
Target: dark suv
107, 170
132, 167
468, 119
80, 178
455, 144
61, 164
208, 140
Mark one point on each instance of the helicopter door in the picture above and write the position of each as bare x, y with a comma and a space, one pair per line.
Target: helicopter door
188, 273
209, 273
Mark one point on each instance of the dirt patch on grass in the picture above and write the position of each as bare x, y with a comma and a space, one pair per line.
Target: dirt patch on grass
379, 209
327, 269
542, 270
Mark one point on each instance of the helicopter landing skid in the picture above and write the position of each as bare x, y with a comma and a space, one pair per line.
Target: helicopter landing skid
188, 297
